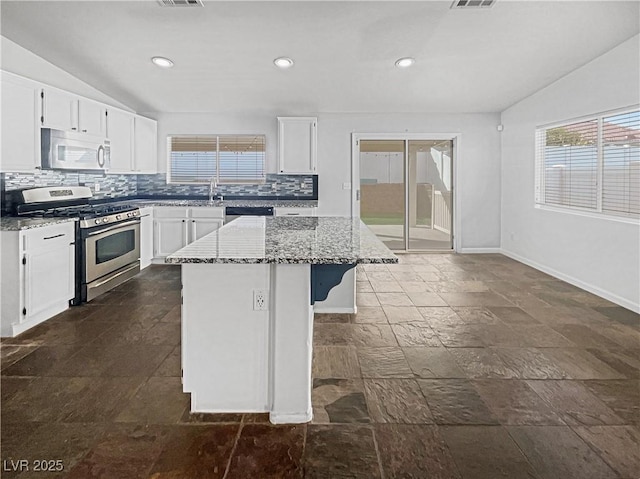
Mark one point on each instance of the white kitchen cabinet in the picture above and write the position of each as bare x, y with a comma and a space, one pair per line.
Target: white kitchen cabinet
59, 109
20, 136
145, 145
177, 227
92, 117
294, 211
170, 230
146, 236
297, 145
120, 135
204, 221
38, 267
65, 111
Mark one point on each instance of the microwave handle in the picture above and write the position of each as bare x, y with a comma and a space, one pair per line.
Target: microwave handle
100, 155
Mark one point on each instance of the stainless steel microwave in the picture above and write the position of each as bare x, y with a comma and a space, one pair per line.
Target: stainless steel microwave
70, 150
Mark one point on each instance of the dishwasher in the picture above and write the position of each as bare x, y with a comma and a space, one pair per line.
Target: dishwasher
233, 212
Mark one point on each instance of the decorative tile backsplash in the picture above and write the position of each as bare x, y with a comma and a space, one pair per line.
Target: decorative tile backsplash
298, 186
116, 186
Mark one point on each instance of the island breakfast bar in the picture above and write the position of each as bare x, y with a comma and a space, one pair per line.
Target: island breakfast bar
247, 309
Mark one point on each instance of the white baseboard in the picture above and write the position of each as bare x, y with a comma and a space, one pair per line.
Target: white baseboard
479, 250
296, 418
332, 310
614, 298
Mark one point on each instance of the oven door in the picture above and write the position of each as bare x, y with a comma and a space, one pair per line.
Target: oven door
110, 249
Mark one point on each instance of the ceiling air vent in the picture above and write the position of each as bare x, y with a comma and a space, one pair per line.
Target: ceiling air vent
181, 3
473, 3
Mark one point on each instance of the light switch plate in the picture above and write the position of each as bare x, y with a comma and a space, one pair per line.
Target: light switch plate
346, 186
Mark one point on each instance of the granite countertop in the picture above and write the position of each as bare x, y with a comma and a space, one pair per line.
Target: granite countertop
12, 223
224, 203
313, 240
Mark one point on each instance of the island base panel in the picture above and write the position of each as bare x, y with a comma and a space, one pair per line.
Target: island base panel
225, 343
236, 359
292, 345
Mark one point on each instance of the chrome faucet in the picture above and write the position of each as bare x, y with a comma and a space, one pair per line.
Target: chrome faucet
213, 186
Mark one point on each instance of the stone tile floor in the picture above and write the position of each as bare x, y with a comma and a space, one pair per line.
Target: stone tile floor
455, 366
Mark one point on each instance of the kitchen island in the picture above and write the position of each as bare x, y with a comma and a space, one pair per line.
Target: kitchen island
248, 291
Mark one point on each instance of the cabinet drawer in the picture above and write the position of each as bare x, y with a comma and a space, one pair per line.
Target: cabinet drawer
207, 212
170, 212
49, 237
286, 211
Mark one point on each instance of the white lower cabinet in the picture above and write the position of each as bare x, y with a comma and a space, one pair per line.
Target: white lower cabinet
146, 236
177, 227
38, 269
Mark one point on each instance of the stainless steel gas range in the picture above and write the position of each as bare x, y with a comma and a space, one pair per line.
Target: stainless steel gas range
107, 235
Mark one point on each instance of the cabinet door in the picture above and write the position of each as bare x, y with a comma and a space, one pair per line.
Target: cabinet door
91, 118
202, 227
120, 134
146, 145
297, 145
49, 279
170, 235
146, 237
20, 136
59, 110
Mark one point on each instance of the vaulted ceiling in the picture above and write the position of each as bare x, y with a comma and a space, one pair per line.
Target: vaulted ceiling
475, 60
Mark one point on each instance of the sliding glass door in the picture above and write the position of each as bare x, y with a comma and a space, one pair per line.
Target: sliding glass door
406, 192
382, 190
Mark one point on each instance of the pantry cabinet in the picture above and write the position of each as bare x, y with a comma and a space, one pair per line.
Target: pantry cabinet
38, 268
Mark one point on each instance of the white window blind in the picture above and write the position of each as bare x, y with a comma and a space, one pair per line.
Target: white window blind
591, 165
226, 158
621, 163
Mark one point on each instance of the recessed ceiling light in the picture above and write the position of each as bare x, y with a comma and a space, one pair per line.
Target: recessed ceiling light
405, 62
162, 62
283, 62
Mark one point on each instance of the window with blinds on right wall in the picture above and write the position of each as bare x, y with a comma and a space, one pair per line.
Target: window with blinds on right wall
591, 165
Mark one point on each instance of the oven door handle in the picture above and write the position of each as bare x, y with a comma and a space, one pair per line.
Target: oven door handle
114, 227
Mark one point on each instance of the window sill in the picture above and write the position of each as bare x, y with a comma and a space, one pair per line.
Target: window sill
589, 214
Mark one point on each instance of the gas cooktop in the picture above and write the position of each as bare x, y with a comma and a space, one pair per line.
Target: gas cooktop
82, 212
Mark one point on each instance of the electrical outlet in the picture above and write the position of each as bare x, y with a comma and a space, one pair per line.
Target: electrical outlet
96, 187
302, 185
274, 186
260, 300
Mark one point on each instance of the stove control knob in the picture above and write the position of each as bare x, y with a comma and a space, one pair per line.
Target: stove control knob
118, 217
97, 221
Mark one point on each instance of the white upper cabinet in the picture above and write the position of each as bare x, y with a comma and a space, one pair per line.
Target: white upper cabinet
20, 135
297, 145
64, 111
146, 145
92, 117
27, 106
59, 110
120, 135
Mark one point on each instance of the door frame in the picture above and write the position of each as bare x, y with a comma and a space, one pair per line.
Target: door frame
355, 171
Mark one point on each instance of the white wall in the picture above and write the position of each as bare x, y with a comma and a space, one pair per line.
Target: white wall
478, 156
598, 254
216, 123
19, 60
478, 164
